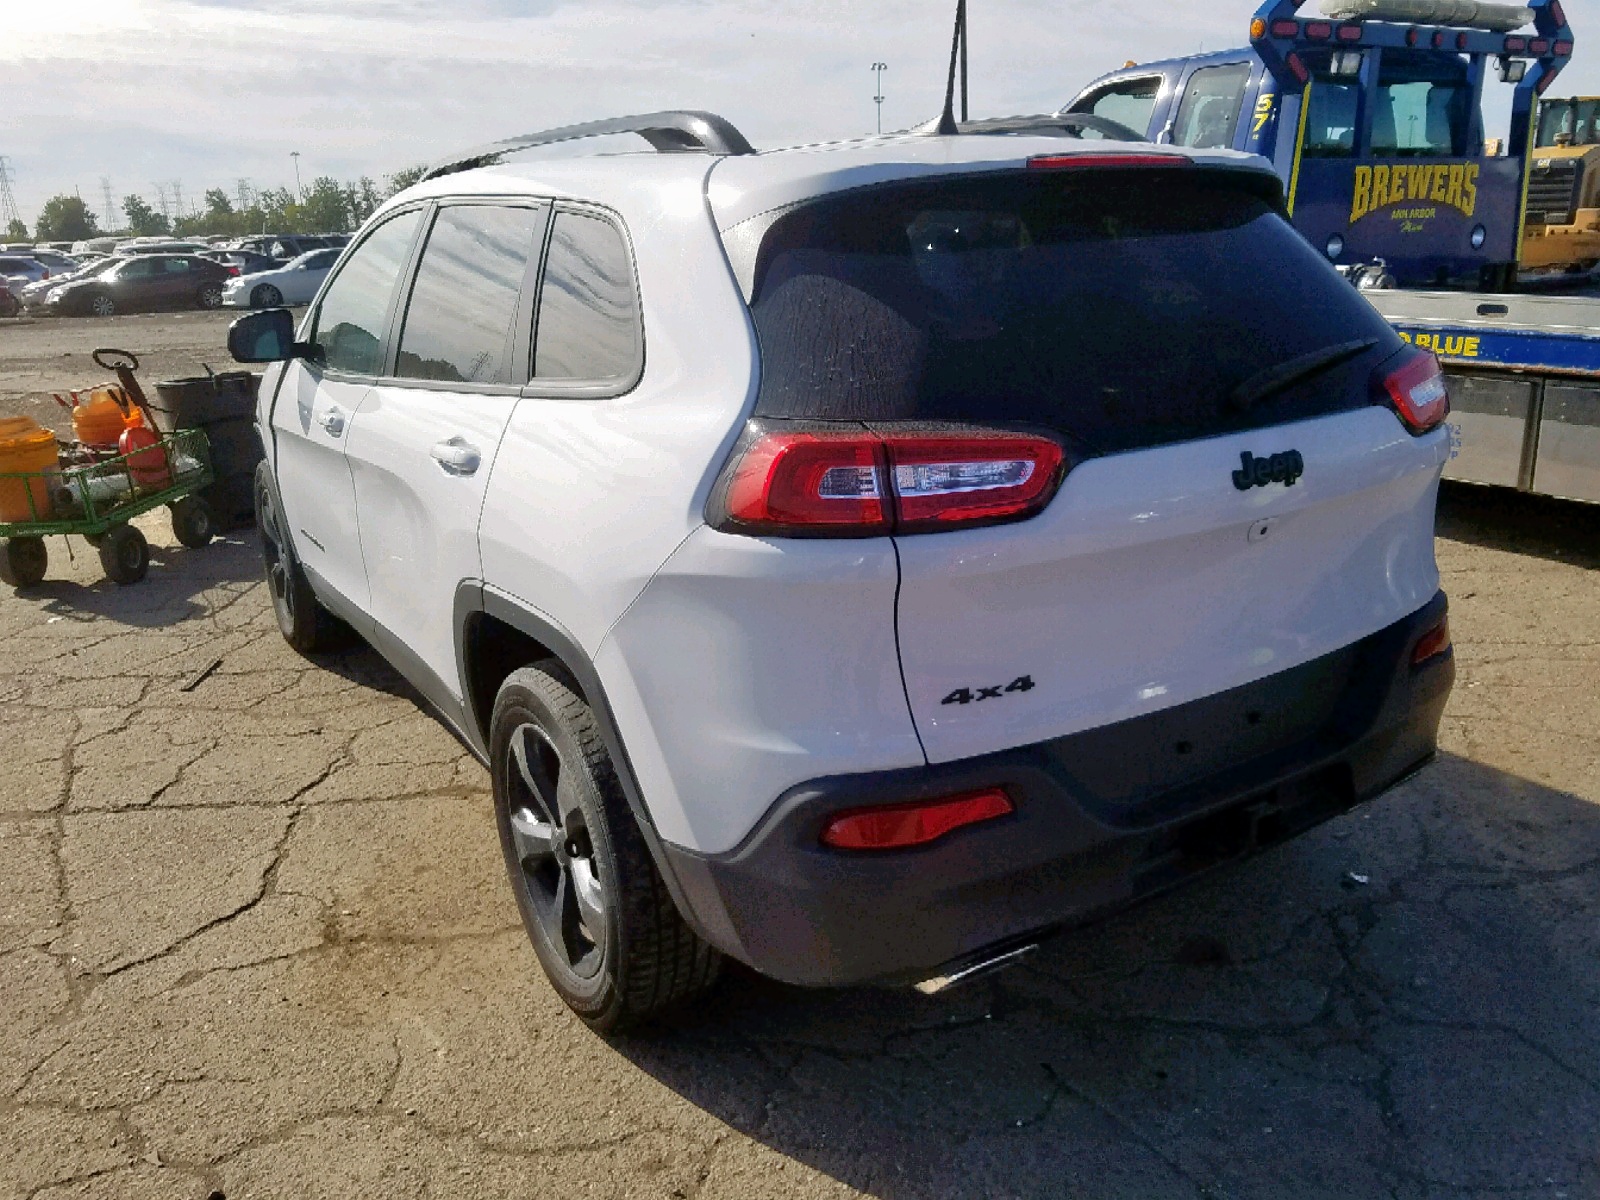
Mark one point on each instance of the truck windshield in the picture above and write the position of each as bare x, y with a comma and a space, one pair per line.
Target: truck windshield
1423, 109
1113, 308
1569, 123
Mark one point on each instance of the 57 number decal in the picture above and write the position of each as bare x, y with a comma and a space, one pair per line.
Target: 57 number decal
979, 695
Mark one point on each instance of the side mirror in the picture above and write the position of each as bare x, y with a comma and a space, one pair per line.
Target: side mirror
264, 337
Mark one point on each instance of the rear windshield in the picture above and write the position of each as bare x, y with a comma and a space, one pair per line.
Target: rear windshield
1117, 309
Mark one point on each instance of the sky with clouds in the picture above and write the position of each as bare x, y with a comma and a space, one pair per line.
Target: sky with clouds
211, 91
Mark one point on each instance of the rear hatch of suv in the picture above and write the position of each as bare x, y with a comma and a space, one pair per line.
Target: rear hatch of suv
1186, 404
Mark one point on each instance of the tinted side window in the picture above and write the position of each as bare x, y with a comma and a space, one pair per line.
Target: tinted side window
1129, 104
349, 324
466, 295
588, 305
1209, 113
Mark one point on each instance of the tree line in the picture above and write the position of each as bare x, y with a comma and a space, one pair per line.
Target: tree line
327, 206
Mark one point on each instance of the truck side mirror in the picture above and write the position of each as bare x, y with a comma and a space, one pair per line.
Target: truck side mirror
264, 337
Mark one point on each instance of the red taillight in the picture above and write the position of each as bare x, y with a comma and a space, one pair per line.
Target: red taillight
1319, 31
1563, 49
1286, 29
1434, 644
1416, 390
832, 483
1516, 45
940, 482
233, 271
1059, 162
813, 482
1298, 68
1463, 41
1349, 33
46, 275
1539, 46
1559, 13
903, 826
1413, 36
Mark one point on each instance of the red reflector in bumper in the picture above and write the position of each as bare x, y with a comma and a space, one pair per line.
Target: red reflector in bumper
903, 826
1434, 644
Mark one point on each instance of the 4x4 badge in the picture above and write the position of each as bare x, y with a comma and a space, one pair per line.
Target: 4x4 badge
1255, 472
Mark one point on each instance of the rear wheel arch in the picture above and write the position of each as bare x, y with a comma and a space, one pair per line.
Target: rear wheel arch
496, 636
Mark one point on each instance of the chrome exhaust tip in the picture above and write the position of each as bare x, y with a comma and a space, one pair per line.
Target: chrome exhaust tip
971, 969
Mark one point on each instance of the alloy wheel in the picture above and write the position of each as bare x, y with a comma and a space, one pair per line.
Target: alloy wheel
554, 849
275, 556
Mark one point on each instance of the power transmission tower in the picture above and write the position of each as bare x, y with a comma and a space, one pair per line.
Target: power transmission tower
177, 198
164, 201
111, 205
8, 202
247, 195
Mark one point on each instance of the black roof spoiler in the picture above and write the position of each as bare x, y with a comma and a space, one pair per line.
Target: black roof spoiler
668, 132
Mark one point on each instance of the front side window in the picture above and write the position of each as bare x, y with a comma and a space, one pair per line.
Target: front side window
350, 322
588, 305
458, 325
1128, 103
1209, 114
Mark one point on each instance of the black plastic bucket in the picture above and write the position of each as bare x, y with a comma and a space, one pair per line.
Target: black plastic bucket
224, 406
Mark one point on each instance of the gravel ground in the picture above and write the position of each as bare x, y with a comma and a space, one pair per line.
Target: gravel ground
255, 942
52, 354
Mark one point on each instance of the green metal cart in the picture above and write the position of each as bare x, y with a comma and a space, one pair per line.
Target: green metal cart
97, 500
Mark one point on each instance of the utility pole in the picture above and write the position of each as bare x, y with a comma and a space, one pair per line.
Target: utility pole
8, 202
111, 207
298, 190
878, 69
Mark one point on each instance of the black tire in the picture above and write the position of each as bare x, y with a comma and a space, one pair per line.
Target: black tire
192, 522
100, 305
266, 296
209, 296
304, 623
595, 907
23, 562
125, 555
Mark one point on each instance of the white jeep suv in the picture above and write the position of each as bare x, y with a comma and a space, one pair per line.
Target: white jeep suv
863, 560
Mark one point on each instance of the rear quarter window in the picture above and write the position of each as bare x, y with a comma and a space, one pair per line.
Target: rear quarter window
1117, 309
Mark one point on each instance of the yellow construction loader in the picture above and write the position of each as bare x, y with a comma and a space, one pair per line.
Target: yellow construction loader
1562, 231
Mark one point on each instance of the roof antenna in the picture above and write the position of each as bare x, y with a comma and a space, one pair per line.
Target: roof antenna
958, 63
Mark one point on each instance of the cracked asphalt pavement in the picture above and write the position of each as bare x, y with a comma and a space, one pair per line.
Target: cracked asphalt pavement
255, 943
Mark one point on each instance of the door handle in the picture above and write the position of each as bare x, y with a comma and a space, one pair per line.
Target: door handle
457, 457
333, 422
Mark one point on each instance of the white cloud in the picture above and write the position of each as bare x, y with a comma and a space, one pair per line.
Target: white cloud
208, 91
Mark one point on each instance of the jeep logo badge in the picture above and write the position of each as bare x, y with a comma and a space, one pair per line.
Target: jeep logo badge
1255, 472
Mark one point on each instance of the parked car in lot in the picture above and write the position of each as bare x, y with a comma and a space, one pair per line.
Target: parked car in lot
36, 295
145, 281
243, 262
21, 269
58, 264
286, 247
296, 283
896, 552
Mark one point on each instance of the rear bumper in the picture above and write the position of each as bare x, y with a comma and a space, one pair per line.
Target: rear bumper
1190, 789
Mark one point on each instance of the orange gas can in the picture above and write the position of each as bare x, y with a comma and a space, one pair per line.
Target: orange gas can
100, 420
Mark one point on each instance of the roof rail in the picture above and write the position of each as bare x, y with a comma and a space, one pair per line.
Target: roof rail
668, 132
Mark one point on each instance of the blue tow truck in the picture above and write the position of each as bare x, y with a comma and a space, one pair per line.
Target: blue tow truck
1372, 113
